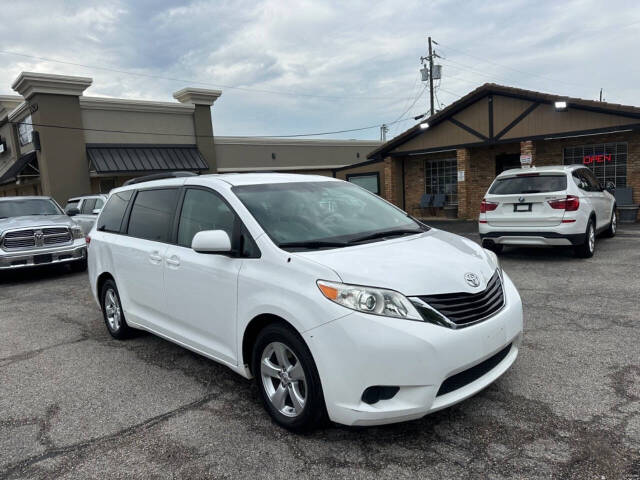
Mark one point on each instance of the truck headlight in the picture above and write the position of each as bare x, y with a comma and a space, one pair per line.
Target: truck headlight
77, 232
376, 301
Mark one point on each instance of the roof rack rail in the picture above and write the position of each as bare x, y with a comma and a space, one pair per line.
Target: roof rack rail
158, 176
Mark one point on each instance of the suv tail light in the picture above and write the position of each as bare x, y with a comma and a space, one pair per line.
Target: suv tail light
570, 203
487, 206
87, 239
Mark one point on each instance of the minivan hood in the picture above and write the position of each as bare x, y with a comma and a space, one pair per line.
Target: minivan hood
32, 221
427, 264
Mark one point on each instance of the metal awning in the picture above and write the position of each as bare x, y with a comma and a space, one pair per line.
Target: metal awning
144, 158
27, 164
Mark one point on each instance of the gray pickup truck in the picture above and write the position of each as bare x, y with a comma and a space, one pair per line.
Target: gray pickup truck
35, 231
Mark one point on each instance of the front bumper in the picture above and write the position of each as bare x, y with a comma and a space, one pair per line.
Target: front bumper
44, 256
360, 351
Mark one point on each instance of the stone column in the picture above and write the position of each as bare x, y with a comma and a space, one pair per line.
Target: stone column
202, 99
55, 106
527, 147
463, 156
392, 190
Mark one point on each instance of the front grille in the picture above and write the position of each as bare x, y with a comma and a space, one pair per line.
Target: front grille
36, 237
469, 375
465, 308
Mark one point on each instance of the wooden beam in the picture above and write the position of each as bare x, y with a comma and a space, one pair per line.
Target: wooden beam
468, 129
517, 120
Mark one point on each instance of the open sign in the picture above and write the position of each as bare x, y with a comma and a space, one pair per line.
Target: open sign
591, 159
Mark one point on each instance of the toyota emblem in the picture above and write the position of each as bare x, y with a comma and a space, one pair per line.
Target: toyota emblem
472, 279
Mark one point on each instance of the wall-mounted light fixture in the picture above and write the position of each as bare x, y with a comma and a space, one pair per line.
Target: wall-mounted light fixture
424, 125
560, 105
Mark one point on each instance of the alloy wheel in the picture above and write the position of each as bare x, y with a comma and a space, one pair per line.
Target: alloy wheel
592, 238
614, 223
283, 379
113, 310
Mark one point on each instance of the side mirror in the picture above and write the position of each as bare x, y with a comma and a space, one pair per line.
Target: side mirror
96, 211
211, 241
610, 187
72, 212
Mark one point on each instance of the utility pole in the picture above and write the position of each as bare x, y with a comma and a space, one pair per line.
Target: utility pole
383, 132
600, 93
431, 77
431, 72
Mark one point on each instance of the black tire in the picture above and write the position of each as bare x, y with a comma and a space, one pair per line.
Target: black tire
79, 265
118, 330
494, 247
314, 412
610, 232
587, 247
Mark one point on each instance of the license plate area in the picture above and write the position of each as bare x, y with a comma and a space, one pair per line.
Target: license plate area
40, 259
522, 207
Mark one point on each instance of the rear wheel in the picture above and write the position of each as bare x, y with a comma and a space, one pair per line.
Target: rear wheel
613, 225
586, 249
112, 312
287, 379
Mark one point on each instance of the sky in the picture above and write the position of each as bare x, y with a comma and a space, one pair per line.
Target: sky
313, 66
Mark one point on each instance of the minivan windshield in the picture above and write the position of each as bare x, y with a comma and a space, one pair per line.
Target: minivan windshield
529, 183
313, 215
28, 206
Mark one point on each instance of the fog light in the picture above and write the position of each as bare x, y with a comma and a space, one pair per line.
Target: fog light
374, 394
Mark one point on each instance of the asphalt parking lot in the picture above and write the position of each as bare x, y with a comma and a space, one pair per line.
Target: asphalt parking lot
75, 403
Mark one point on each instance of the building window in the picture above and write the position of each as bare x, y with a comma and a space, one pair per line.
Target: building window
607, 161
369, 181
441, 177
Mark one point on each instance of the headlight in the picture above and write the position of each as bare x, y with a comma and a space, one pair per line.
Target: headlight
376, 301
77, 232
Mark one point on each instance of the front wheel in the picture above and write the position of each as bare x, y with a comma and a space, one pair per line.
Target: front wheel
613, 225
586, 249
287, 379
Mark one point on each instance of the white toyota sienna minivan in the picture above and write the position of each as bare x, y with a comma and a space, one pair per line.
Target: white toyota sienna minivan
339, 304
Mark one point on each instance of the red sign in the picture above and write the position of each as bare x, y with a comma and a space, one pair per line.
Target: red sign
590, 159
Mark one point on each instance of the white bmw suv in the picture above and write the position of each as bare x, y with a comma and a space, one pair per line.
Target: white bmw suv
564, 205
338, 303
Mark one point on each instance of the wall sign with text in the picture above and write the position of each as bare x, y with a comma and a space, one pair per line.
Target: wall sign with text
591, 159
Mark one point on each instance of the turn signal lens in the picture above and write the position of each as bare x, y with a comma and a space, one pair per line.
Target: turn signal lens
570, 203
487, 206
376, 301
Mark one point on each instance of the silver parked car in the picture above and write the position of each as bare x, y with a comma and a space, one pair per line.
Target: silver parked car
35, 231
85, 209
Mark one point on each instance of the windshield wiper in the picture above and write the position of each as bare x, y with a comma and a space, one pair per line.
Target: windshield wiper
311, 244
386, 233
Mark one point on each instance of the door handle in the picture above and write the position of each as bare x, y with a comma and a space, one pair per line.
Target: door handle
173, 261
155, 257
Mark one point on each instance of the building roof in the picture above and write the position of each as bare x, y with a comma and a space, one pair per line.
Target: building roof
493, 88
109, 158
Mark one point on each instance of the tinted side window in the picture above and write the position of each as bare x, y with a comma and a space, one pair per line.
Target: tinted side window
111, 216
583, 181
87, 205
69, 205
152, 214
593, 181
99, 203
203, 210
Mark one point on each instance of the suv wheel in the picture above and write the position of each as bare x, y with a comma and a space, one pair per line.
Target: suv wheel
586, 249
287, 379
112, 311
613, 225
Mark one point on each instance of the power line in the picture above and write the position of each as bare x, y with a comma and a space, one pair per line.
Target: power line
185, 81
171, 134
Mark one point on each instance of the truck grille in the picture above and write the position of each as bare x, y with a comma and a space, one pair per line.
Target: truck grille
36, 237
465, 308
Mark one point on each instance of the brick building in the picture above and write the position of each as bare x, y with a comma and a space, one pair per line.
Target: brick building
459, 151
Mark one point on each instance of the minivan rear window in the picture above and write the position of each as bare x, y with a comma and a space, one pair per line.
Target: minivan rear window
111, 217
529, 184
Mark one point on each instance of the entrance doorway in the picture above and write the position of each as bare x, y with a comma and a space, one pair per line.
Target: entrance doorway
505, 161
